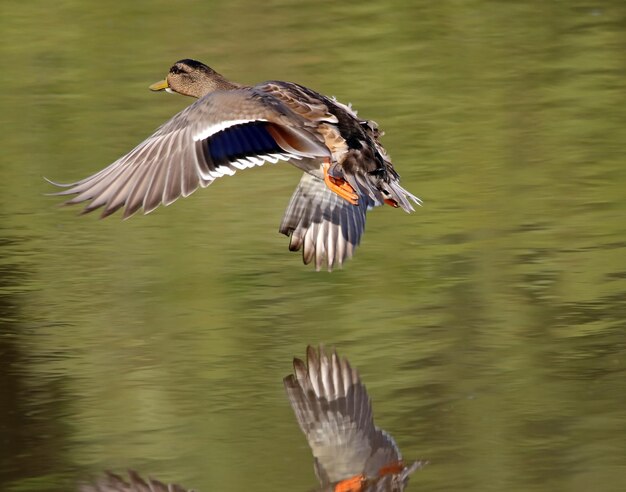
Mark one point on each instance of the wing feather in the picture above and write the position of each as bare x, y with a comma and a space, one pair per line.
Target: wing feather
325, 226
111, 482
208, 140
334, 411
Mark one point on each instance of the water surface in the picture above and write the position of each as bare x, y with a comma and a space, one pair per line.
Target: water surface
489, 326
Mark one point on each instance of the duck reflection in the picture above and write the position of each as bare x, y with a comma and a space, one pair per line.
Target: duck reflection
111, 482
334, 411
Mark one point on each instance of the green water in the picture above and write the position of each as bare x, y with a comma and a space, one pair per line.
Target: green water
489, 326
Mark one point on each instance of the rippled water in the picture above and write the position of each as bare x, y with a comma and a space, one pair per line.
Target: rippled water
489, 326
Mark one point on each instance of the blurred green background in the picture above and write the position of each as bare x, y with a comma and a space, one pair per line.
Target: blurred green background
489, 326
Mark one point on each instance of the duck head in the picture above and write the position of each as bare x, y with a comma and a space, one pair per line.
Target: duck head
192, 78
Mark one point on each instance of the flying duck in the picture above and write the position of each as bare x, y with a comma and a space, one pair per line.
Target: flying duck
232, 127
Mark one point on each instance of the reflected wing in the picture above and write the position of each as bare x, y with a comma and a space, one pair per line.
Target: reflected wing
216, 136
334, 412
325, 226
111, 482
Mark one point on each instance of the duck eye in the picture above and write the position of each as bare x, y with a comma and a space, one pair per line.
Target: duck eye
177, 70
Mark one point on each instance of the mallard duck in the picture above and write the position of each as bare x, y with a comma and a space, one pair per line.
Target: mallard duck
232, 127
334, 412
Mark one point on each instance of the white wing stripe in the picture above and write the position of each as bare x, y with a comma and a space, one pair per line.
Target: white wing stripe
218, 127
240, 164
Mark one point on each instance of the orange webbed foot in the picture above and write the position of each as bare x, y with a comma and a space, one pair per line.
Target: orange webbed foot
340, 186
391, 202
391, 468
352, 484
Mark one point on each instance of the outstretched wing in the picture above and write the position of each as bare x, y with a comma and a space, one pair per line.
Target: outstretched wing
217, 135
325, 226
111, 482
334, 412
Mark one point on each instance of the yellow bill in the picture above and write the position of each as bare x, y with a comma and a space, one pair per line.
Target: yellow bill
161, 85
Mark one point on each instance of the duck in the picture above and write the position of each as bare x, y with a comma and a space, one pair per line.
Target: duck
334, 411
232, 127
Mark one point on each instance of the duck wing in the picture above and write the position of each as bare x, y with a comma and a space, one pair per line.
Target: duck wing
323, 225
111, 482
219, 134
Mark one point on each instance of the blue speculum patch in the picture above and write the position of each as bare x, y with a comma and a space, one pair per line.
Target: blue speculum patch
240, 141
